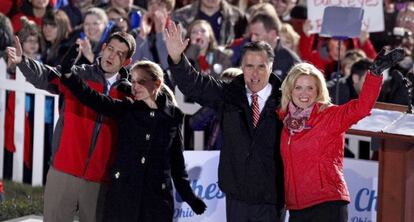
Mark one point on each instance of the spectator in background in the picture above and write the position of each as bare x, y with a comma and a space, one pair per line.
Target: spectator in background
298, 16
289, 38
346, 90
206, 118
203, 51
359, 72
237, 44
150, 40
83, 141
323, 52
56, 31
386, 37
32, 42
120, 17
264, 27
34, 10
283, 8
94, 25
227, 21
250, 166
76, 10
127, 5
405, 18
246, 5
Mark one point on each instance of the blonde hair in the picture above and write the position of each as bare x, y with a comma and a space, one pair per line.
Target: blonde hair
155, 72
298, 70
99, 13
291, 34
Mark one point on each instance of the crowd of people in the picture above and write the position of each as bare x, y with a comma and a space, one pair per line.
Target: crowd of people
268, 88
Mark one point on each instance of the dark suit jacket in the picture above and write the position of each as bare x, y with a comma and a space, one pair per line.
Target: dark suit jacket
250, 167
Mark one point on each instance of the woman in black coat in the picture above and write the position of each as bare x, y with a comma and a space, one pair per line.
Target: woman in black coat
149, 147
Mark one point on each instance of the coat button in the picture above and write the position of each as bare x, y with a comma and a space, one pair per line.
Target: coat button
117, 174
152, 114
163, 186
147, 137
142, 160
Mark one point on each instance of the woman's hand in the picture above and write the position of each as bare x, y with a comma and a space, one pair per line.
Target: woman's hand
174, 42
85, 49
146, 24
160, 20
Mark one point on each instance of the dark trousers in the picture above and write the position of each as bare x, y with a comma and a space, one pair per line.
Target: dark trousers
325, 212
240, 211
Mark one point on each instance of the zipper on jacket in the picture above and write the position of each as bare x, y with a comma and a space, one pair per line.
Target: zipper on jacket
93, 141
289, 150
95, 134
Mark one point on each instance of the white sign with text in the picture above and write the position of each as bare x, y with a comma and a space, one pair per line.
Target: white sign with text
373, 20
361, 177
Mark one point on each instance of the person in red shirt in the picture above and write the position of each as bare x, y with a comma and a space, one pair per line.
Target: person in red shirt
34, 10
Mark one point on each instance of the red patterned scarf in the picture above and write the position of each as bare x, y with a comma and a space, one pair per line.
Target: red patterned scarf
296, 118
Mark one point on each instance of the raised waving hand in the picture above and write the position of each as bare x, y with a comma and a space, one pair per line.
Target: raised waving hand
175, 42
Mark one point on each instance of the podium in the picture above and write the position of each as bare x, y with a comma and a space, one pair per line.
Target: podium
396, 160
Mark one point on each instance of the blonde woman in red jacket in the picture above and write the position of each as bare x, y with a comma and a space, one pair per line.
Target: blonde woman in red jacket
312, 141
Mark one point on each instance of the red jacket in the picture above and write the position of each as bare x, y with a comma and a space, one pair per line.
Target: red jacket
313, 158
84, 141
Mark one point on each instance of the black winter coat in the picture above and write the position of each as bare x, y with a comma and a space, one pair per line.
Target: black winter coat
149, 156
250, 167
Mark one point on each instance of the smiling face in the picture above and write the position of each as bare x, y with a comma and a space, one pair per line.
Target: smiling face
256, 69
93, 27
144, 87
114, 56
305, 91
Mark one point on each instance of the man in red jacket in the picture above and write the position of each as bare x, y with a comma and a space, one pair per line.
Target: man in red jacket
83, 141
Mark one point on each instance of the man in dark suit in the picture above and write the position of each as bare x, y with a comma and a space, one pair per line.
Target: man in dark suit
250, 168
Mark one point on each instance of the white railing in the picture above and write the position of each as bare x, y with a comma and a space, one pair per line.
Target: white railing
21, 87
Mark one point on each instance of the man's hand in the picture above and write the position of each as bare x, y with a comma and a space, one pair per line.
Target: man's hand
14, 54
174, 42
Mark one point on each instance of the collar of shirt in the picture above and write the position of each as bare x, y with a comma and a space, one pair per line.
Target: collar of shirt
112, 80
262, 96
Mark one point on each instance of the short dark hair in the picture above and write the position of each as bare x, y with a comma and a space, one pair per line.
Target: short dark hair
361, 67
126, 38
269, 22
259, 46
